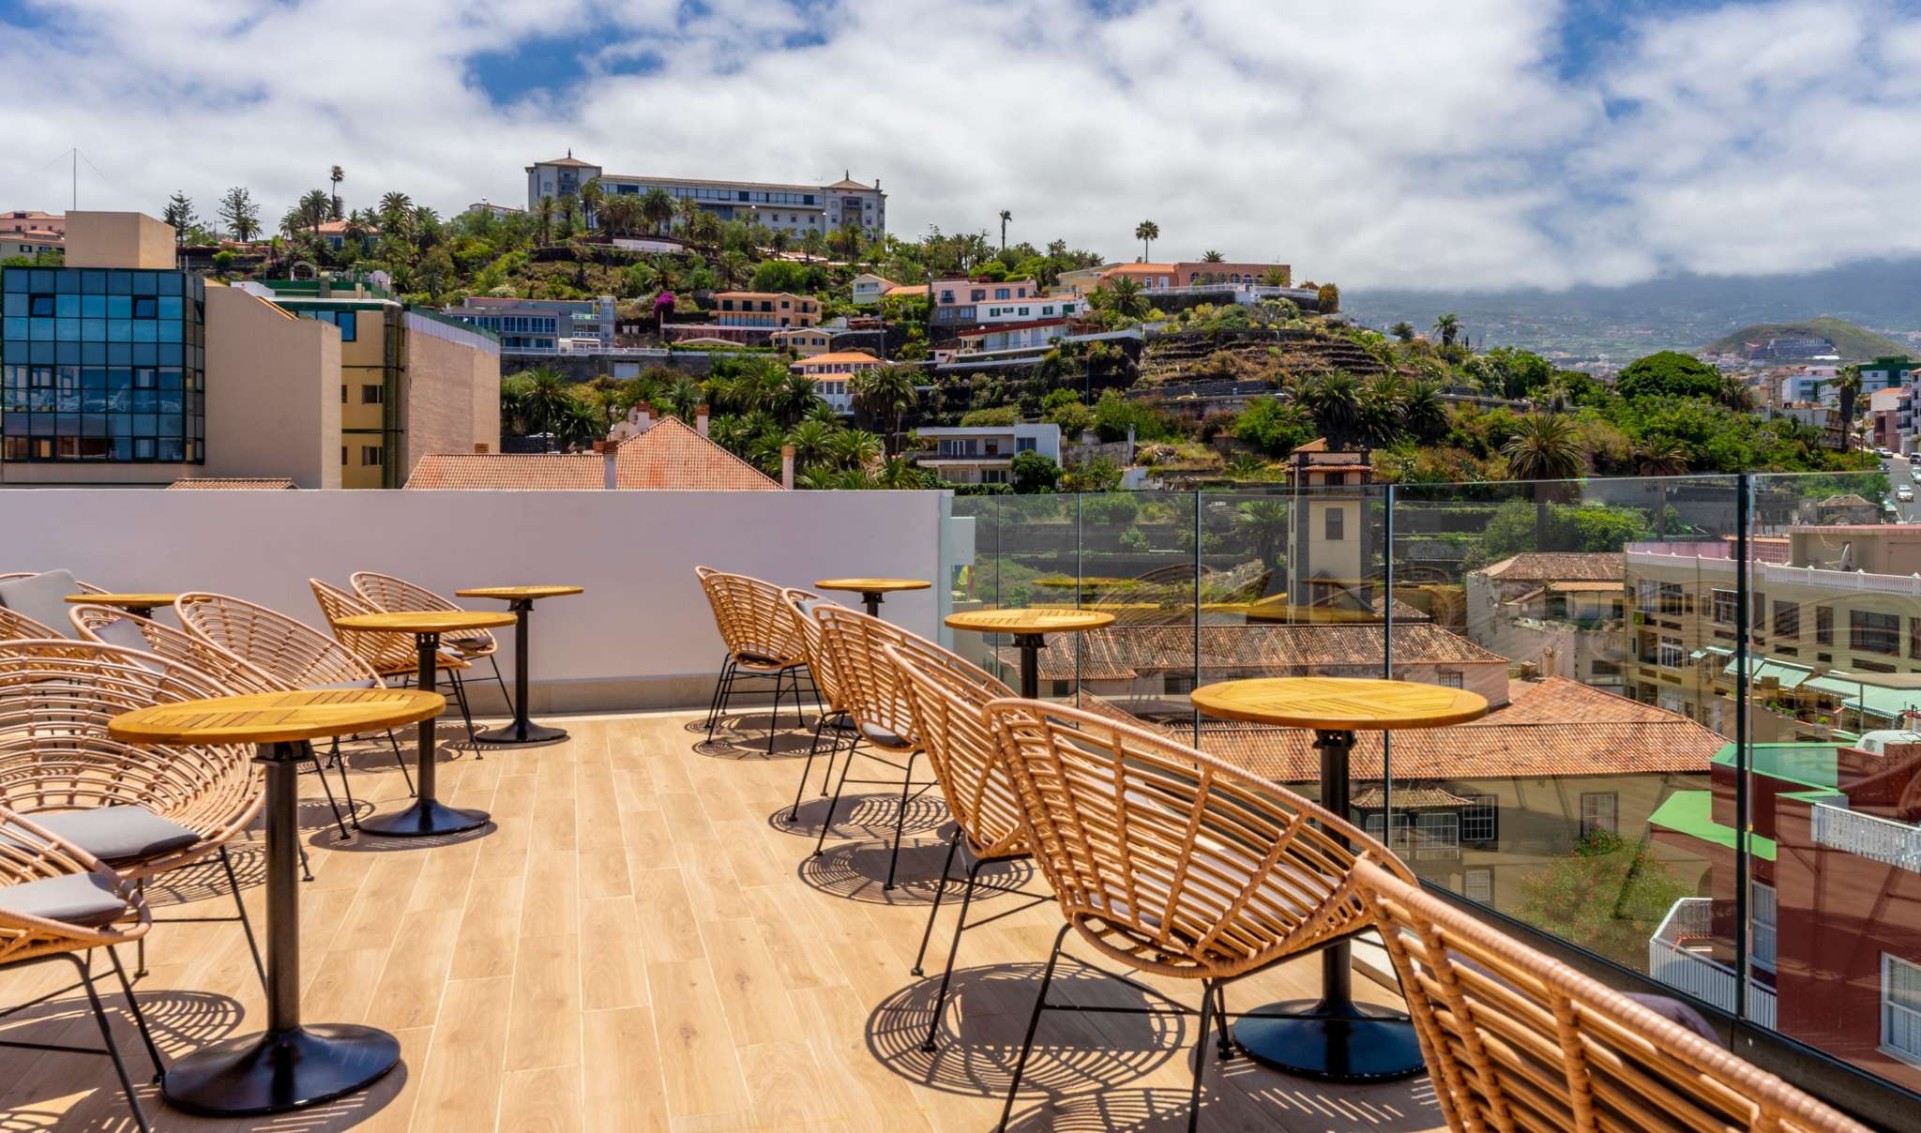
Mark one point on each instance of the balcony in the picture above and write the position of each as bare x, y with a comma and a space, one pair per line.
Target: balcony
1678, 955
1868, 836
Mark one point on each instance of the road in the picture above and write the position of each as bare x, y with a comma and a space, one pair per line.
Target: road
1899, 473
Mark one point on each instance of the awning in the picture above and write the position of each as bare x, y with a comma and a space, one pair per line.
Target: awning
1787, 672
1869, 699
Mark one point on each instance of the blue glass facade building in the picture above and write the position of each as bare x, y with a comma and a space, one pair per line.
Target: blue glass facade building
102, 365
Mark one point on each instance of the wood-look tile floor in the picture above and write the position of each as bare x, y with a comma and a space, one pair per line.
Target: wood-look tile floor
641, 942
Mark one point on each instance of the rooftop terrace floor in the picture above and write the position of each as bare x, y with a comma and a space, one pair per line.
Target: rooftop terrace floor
639, 943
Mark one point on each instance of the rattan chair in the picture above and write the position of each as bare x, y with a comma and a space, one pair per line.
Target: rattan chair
833, 714
873, 693
762, 641
16, 625
143, 810
389, 593
945, 694
1515, 1040
110, 626
1171, 862
57, 902
395, 656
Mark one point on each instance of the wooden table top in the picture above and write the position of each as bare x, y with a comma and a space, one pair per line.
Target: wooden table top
517, 593
1030, 619
426, 621
872, 585
117, 599
275, 717
1339, 703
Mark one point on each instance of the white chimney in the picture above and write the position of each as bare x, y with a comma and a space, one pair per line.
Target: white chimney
786, 461
642, 415
610, 465
700, 420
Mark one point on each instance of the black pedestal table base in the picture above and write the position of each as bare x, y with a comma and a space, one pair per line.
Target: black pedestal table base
427, 816
280, 1070
521, 731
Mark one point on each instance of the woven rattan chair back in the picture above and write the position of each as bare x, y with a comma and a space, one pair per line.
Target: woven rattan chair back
389, 593
385, 653
1168, 860
753, 620
285, 648
871, 687
236, 673
945, 693
56, 698
1515, 1040
29, 854
813, 648
14, 625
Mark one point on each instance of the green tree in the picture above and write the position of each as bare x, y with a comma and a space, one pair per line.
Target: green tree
1273, 426
1147, 232
1329, 299
1545, 448
1661, 456
1030, 473
1403, 330
1608, 896
1123, 297
1668, 374
1333, 400
1446, 327
240, 215
812, 441
854, 448
314, 209
179, 213
1005, 217
592, 196
1263, 524
1848, 386
1212, 257
1424, 411
543, 219
887, 393
543, 401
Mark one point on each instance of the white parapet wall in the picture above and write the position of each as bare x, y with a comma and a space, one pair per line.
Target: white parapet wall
640, 637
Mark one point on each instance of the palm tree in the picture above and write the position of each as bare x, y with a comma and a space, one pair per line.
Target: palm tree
1147, 232
657, 207
690, 214
734, 267
546, 403
793, 396
812, 441
1424, 411
1661, 456
1212, 257
1124, 297
1446, 327
1403, 330
1263, 523
1383, 410
1736, 394
855, 448
1545, 448
683, 398
336, 175
1005, 217
1333, 399
1848, 385
314, 209
887, 391
543, 219
899, 473
592, 196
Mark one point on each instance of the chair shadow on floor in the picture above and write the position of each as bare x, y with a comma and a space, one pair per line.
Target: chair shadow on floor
869, 815
1297, 1105
744, 736
858, 870
986, 1016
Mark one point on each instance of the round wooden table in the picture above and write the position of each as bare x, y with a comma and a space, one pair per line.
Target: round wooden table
871, 589
139, 605
1030, 628
1335, 1039
427, 815
293, 1064
520, 599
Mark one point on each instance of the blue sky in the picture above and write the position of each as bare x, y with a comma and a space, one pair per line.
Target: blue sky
1407, 142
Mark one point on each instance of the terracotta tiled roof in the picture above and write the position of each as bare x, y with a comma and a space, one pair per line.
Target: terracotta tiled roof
1124, 652
1553, 728
906, 289
232, 484
670, 456
842, 357
1555, 566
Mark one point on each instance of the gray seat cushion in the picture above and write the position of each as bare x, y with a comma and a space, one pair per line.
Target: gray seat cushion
125, 634
42, 597
86, 899
118, 833
882, 737
368, 683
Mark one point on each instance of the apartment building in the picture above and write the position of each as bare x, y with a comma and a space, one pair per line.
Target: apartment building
542, 326
1562, 613
795, 209
959, 302
765, 309
28, 244
983, 454
833, 374
1888, 373
1166, 276
804, 342
1835, 901
412, 381
19, 221
1012, 336
867, 289
1891, 418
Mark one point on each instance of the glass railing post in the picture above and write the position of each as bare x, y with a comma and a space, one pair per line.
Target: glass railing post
1743, 569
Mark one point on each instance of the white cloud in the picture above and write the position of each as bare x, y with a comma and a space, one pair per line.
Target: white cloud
1373, 142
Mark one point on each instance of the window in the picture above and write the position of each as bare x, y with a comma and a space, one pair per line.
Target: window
1824, 625
1437, 834
1787, 619
1764, 912
369, 455
1600, 811
1870, 632
145, 307
1180, 684
343, 393
1900, 1008
1336, 524
1645, 590
40, 306
373, 395
1670, 654
1447, 679
1671, 598
1758, 610
1724, 606
1480, 818
1478, 885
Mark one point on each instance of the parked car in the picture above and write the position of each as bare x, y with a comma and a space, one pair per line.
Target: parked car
1905, 493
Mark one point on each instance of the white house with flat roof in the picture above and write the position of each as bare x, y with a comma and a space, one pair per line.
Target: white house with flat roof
981, 454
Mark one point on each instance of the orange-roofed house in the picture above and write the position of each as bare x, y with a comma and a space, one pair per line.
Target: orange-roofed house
663, 455
1561, 612
868, 288
768, 309
833, 374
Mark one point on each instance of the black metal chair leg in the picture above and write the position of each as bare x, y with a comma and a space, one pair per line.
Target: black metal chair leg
940, 890
466, 715
1033, 1024
140, 946
306, 871
1220, 1022
347, 788
900, 819
139, 1016
113, 1048
722, 693
953, 950
402, 760
713, 702
828, 823
773, 721
493, 659
233, 882
793, 814
320, 769
1200, 1056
